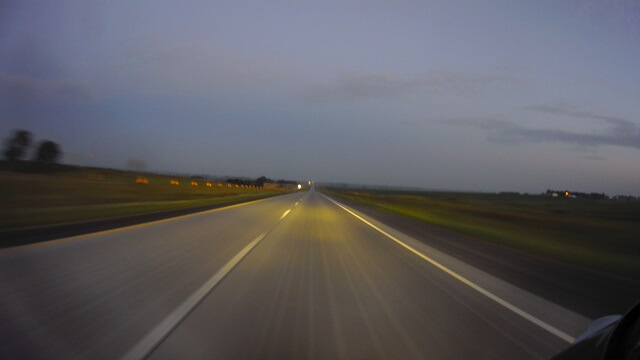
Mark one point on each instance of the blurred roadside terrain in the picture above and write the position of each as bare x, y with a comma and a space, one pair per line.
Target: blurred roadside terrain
39, 194
597, 234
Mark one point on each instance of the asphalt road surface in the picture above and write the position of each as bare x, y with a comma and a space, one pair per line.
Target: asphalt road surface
297, 276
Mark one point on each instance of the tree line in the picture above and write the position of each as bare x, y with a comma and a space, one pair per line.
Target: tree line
17, 147
592, 195
259, 182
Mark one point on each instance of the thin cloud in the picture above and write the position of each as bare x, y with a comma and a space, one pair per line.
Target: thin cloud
621, 132
566, 110
191, 69
594, 157
21, 88
612, 137
354, 86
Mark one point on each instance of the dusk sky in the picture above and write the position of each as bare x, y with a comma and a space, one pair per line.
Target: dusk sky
486, 96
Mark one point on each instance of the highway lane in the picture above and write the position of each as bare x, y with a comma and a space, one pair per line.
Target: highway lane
315, 282
323, 284
95, 296
585, 291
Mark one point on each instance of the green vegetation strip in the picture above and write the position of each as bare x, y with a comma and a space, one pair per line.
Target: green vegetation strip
66, 214
602, 235
30, 200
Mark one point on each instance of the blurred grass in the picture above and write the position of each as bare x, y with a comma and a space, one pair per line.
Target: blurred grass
76, 194
603, 235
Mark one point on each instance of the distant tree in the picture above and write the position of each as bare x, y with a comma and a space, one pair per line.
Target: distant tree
18, 145
237, 181
260, 181
48, 152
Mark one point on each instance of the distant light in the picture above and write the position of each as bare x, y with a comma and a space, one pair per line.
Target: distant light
299, 186
566, 194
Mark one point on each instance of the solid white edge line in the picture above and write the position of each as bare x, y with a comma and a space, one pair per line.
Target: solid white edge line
147, 344
285, 214
559, 333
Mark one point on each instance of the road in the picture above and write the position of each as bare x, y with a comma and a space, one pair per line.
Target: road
291, 277
583, 290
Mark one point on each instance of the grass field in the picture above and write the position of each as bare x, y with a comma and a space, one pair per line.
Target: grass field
75, 194
600, 234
